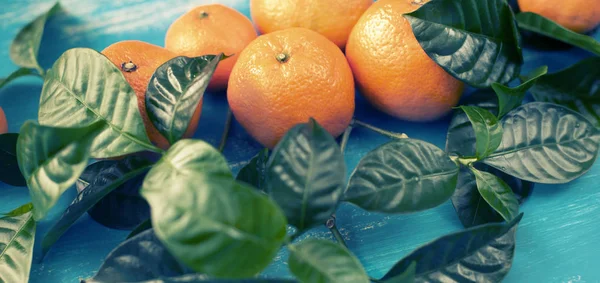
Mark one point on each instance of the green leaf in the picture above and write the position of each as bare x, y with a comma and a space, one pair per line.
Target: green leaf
254, 172
147, 224
408, 276
480, 254
24, 48
488, 131
546, 143
497, 194
322, 261
477, 42
201, 278
83, 86
51, 160
539, 24
175, 90
206, 219
576, 87
510, 98
15, 75
402, 176
9, 165
17, 235
306, 175
19, 210
105, 181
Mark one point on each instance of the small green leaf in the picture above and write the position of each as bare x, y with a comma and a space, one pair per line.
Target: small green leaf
15, 75
477, 42
24, 48
17, 235
306, 175
19, 210
254, 172
9, 165
539, 24
576, 87
488, 131
175, 90
510, 98
480, 254
322, 261
408, 276
51, 160
546, 143
206, 219
82, 87
497, 194
402, 176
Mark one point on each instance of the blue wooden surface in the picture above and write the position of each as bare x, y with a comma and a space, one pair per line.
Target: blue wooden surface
557, 241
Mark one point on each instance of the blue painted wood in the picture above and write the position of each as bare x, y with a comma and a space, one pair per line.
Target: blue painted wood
558, 239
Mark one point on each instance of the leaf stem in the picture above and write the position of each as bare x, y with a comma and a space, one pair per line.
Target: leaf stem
379, 130
226, 130
334, 230
41, 71
345, 137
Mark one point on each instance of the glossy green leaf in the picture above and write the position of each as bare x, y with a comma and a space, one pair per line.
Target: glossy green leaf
24, 48
23, 209
403, 176
82, 87
17, 235
208, 220
323, 261
106, 181
475, 41
9, 165
480, 254
51, 160
175, 90
539, 24
408, 276
15, 75
576, 87
510, 98
306, 175
497, 194
488, 131
254, 172
546, 143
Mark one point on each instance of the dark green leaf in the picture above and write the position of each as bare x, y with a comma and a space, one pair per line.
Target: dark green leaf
200, 278
83, 86
147, 224
510, 98
9, 166
254, 172
19, 210
322, 261
24, 48
539, 24
51, 160
497, 194
175, 90
546, 143
16, 74
403, 176
306, 175
475, 41
488, 131
17, 235
479, 254
206, 219
106, 180
408, 276
577, 87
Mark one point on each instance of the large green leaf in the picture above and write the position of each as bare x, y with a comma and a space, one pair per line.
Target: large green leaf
83, 86
322, 261
306, 175
539, 24
17, 235
51, 160
9, 166
403, 176
254, 172
511, 97
24, 48
15, 75
488, 131
475, 41
175, 90
479, 254
576, 87
497, 194
206, 219
546, 143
